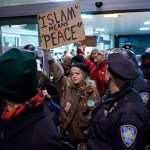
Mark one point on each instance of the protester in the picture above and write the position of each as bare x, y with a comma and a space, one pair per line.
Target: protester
93, 55
31, 48
77, 59
25, 122
79, 97
66, 64
52, 96
98, 70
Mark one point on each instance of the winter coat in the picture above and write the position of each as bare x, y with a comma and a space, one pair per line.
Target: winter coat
33, 130
76, 109
144, 89
97, 73
120, 122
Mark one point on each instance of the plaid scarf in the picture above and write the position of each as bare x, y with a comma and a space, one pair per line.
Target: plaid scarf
17, 111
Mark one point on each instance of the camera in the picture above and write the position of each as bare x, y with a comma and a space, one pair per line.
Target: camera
98, 4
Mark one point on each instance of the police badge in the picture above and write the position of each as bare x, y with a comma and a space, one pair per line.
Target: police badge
128, 134
145, 97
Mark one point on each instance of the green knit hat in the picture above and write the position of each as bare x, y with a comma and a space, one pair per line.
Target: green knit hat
18, 75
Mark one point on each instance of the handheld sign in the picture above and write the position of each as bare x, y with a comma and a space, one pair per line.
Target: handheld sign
61, 26
90, 41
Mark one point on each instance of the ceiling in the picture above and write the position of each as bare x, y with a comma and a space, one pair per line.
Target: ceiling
125, 24
25, 2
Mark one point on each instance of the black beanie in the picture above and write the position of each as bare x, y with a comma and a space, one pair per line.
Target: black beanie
145, 55
83, 67
18, 77
78, 59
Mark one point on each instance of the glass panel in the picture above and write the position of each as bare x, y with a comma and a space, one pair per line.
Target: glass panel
20, 35
10, 41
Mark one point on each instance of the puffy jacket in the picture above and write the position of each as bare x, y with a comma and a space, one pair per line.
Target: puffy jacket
75, 112
97, 73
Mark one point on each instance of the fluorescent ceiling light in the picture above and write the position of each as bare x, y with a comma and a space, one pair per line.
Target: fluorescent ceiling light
145, 28
86, 16
95, 31
147, 22
60, 0
112, 15
99, 29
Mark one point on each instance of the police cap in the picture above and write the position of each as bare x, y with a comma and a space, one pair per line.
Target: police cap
122, 67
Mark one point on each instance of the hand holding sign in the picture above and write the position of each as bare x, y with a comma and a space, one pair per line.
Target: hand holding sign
61, 26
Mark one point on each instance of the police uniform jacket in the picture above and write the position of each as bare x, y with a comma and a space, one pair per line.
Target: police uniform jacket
144, 89
119, 122
76, 105
33, 130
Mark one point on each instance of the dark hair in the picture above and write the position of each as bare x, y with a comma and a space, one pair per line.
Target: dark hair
145, 55
29, 47
77, 59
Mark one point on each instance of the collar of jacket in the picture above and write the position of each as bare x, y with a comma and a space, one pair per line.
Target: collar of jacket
108, 97
102, 64
89, 87
111, 99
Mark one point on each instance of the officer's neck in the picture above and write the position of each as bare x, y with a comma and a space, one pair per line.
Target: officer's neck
113, 87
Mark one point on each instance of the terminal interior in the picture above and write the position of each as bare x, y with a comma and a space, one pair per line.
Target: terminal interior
112, 29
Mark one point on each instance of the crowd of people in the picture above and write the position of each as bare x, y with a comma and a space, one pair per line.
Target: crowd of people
100, 102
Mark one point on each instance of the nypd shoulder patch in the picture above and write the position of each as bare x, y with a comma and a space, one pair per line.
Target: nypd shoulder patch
128, 134
145, 97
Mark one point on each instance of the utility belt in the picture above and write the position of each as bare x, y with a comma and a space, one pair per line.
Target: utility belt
69, 144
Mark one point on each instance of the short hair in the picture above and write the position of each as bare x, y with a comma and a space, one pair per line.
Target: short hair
67, 59
29, 47
145, 55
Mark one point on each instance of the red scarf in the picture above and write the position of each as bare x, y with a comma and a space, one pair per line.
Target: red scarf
17, 111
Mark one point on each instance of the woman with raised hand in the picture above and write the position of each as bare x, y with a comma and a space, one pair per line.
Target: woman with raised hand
79, 96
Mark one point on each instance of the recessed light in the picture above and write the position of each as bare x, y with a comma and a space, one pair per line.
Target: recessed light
112, 15
144, 28
100, 29
147, 22
86, 16
96, 32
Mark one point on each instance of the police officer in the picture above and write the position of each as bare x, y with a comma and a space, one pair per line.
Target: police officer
120, 120
139, 83
145, 66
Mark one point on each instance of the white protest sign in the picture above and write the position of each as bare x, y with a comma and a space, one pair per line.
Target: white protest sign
61, 26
